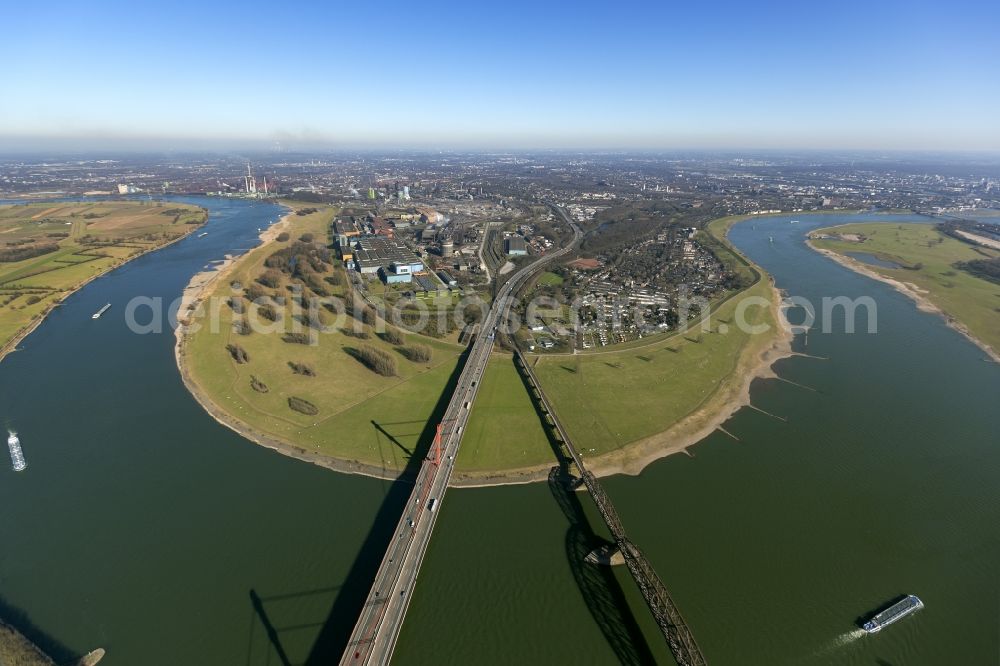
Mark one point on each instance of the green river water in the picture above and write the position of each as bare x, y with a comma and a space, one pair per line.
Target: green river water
144, 527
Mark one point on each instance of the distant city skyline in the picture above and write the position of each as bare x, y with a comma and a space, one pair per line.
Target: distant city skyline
883, 76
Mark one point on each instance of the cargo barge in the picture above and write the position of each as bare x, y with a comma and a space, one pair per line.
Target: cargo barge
894, 613
16, 455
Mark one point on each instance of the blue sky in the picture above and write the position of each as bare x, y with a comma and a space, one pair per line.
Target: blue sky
619, 74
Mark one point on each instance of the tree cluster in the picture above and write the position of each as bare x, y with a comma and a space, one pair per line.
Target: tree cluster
303, 369
255, 292
417, 353
268, 312
377, 360
238, 353
365, 313
300, 258
236, 303
302, 406
394, 336
12, 254
987, 269
296, 338
270, 279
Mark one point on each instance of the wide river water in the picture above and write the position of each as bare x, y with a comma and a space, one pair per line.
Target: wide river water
144, 527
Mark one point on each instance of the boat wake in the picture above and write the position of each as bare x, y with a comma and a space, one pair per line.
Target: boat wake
840, 642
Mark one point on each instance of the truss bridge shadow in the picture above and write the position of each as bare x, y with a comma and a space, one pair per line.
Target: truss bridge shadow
601, 591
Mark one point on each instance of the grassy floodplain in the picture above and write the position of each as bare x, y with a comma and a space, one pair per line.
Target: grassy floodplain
364, 421
504, 431
610, 400
65, 245
632, 403
926, 259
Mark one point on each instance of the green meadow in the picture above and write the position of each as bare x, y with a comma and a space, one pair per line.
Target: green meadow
361, 415
607, 399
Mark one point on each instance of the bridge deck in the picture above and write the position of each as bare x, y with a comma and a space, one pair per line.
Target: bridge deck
374, 637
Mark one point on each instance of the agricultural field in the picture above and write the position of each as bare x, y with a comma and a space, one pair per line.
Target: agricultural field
49, 250
363, 392
928, 259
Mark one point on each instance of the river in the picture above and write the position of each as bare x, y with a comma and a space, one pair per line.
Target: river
883, 481
144, 527
141, 525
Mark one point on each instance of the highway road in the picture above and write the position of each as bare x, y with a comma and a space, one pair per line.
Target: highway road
374, 637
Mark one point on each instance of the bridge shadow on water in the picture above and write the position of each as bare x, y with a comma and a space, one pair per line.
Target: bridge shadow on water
277, 624
600, 589
334, 631
276, 635
597, 583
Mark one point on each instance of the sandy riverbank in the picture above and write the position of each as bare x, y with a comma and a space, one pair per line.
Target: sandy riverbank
200, 285
911, 291
15, 648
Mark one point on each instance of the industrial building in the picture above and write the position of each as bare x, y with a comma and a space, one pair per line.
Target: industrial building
426, 283
380, 227
346, 228
387, 257
345, 248
395, 274
515, 246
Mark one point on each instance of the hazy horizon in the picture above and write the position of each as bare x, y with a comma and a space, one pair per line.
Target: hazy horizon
850, 76
26, 145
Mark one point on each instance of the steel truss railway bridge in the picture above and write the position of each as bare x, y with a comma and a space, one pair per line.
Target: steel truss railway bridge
377, 629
